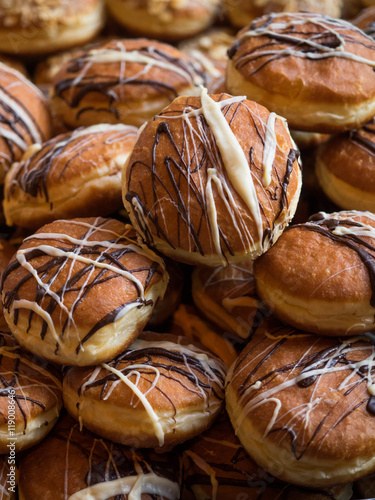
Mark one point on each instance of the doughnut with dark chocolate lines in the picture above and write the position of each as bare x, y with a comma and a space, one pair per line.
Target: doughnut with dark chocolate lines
345, 167
161, 391
303, 406
316, 71
212, 180
82, 466
77, 174
24, 117
320, 275
30, 396
122, 81
79, 291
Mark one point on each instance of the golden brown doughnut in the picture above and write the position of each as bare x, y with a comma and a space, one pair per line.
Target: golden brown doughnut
31, 27
227, 296
315, 71
77, 174
79, 291
215, 465
75, 465
25, 117
159, 392
31, 397
166, 19
345, 167
122, 81
303, 406
187, 321
242, 12
320, 276
212, 180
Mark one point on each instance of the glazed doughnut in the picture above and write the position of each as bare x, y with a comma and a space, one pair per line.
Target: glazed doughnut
345, 167
314, 70
30, 27
303, 406
79, 291
187, 321
221, 184
166, 307
161, 391
210, 52
31, 400
122, 81
78, 465
241, 12
166, 19
320, 276
25, 117
77, 174
8, 471
366, 21
227, 296
215, 465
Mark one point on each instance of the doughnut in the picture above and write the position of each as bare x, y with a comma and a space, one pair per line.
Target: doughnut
122, 81
212, 180
161, 391
227, 296
172, 298
187, 321
8, 478
164, 20
320, 276
78, 465
210, 52
241, 12
315, 71
215, 465
345, 167
29, 27
77, 174
366, 21
303, 406
25, 117
32, 397
78, 292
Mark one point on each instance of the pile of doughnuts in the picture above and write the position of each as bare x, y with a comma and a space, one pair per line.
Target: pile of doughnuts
187, 286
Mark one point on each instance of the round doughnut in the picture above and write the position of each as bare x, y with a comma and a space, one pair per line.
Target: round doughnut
161, 391
187, 321
29, 27
314, 70
122, 81
166, 20
215, 465
366, 21
25, 117
31, 400
241, 12
226, 295
320, 276
166, 307
77, 174
221, 183
303, 406
345, 167
79, 291
78, 465
8, 478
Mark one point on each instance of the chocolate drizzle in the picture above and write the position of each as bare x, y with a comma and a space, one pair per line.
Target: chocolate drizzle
365, 137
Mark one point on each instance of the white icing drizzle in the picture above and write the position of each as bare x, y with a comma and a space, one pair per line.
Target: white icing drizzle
331, 25
133, 486
202, 464
269, 151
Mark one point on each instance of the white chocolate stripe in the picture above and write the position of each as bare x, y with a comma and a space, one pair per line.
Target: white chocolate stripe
12, 136
202, 464
269, 151
133, 486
